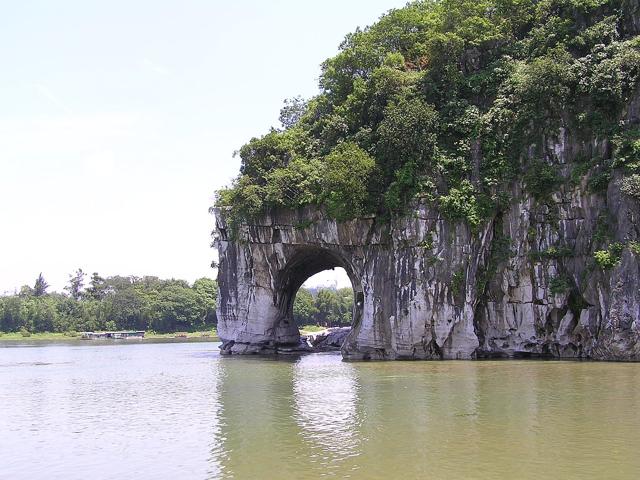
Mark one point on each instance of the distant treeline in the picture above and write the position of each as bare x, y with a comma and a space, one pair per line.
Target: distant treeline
326, 307
145, 303
113, 303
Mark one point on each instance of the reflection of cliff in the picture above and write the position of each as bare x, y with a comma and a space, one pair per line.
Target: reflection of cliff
317, 417
216, 446
325, 404
281, 416
258, 432
435, 411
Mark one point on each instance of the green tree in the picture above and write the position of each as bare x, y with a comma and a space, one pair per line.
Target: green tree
447, 101
127, 307
76, 284
98, 287
26, 291
114, 303
296, 185
292, 111
334, 307
347, 172
69, 314
40, 287
206, 291
12, 314
345, 296
176, 309
40, 314
304, 309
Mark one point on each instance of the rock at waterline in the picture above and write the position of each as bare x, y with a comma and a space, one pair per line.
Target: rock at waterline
327, 340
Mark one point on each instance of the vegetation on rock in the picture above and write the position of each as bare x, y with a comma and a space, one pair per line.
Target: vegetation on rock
448, 100
609, 258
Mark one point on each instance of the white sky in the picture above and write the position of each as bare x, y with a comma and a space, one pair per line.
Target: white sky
118, 120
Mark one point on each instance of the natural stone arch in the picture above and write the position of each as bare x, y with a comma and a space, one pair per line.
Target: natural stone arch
404, 304
433, 288
305, 263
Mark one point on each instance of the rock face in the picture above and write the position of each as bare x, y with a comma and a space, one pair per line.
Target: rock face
525, 283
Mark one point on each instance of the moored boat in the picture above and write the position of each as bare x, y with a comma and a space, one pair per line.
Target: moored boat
123, 335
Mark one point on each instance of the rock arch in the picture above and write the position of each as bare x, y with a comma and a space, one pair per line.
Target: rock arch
432, 288
396, 313
304, 263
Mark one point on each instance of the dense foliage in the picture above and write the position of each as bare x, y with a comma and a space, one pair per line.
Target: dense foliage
324, 307
146, 303
448, 100
114, 303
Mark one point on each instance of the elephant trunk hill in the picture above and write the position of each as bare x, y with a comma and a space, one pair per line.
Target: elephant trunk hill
478, 181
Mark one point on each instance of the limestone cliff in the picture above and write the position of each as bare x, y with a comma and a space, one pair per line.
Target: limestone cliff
523, 284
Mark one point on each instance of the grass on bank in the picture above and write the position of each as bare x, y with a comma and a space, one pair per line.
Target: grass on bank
149, 335
68, 336
212, 334
305, 329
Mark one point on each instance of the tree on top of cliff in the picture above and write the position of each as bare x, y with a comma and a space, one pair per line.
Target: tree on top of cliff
445, 100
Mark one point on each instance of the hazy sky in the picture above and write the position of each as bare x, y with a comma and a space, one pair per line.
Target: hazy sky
118, 120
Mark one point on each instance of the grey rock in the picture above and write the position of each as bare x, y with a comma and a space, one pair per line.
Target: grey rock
426, 287
328, 340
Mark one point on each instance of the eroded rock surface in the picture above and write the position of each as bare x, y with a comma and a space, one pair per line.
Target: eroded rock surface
523, 284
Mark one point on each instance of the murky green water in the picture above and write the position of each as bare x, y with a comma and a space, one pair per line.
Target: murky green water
180, 410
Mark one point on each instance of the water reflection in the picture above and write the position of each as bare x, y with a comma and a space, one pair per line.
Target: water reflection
258, 431
325, 409
182, 411
216, 435
297, 417
318, 416
415, 416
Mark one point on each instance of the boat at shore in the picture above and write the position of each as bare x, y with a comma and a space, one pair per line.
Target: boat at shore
124, 335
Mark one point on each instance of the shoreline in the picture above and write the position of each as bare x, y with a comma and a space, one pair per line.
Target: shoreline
211, 336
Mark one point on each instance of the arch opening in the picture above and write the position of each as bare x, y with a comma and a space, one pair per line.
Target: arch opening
334, 305
324, 300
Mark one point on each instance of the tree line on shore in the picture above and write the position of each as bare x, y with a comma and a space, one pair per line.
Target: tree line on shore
145, 303
327, 307
112, 303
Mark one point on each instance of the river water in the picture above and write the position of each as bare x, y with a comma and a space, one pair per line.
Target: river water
181, 411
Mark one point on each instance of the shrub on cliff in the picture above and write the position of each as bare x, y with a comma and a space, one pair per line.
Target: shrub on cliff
346, 173
631, 186
609, 258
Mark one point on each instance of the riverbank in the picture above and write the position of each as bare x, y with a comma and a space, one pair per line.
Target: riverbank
308, 329
210, 335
